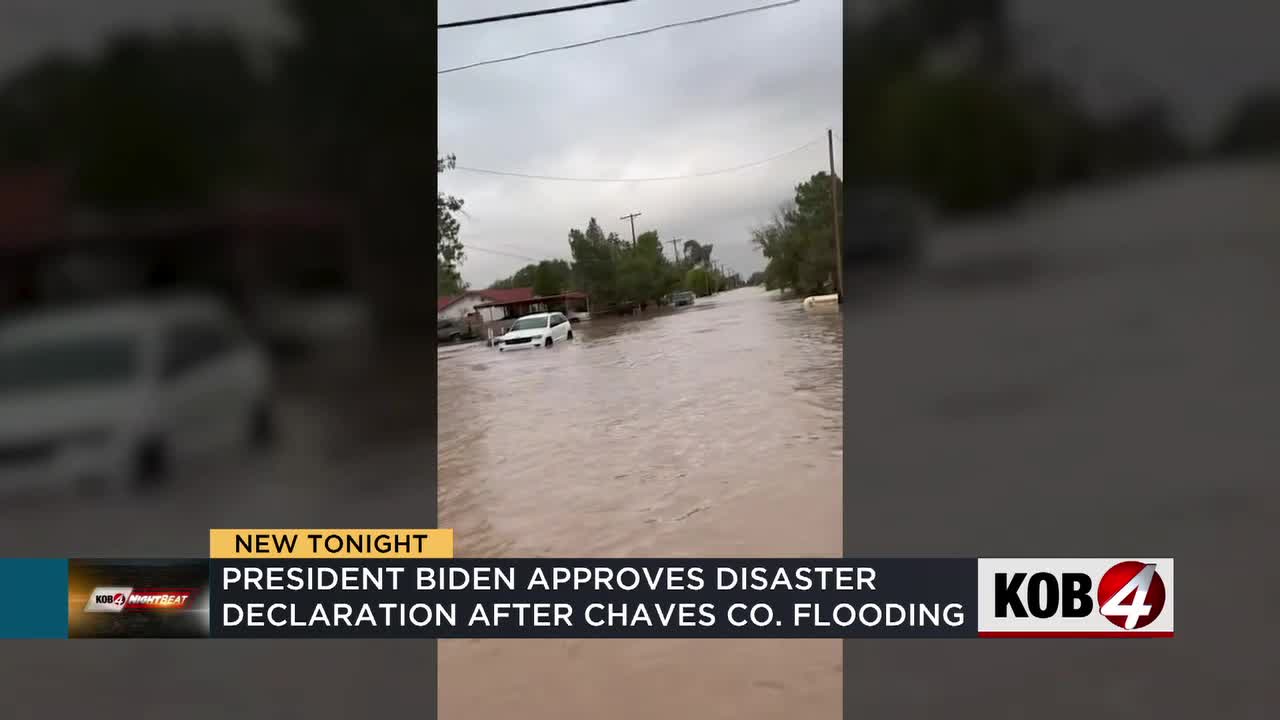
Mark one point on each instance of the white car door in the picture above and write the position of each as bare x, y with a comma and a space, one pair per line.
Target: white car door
207, 392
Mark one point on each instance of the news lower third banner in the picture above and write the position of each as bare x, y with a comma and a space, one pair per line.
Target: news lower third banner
300, 583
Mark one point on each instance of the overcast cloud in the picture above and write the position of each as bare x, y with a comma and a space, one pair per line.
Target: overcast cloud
686, 100
695, 98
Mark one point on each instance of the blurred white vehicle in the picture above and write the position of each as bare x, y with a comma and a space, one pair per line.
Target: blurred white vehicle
538, 330
122, 395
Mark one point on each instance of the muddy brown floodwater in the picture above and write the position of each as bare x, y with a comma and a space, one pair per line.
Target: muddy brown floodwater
713, 430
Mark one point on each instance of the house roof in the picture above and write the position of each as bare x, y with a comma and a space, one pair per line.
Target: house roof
574, 295
507, 295
492, 296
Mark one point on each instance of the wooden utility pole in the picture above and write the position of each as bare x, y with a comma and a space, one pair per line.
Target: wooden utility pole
835, 219
632, 217
675, 249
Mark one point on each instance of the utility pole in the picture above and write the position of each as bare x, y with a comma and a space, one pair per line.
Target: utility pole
835, 220
632, 217
675, 250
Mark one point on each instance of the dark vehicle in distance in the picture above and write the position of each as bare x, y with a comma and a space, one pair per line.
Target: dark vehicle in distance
453, 331
681, 298
884, 228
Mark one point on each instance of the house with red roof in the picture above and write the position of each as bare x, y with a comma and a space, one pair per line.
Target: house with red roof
463, 307
495, 310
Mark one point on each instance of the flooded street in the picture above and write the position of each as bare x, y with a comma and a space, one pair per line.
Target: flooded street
609, 445
696, 432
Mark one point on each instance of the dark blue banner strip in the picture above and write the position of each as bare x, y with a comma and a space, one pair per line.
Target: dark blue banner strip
33, 598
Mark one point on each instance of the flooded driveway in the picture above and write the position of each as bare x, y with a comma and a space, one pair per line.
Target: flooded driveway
695, 432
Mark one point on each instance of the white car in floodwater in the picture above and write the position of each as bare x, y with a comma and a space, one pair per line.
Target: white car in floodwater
119, 395
533, 331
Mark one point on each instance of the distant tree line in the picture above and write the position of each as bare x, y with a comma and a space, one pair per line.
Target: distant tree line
614, 272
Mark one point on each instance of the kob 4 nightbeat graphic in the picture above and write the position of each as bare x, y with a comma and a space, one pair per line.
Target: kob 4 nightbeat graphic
137, 598
1082, 597
121, 599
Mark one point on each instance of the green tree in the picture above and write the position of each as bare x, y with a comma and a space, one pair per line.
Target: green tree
449, 251
648, 244
595, 259
552, 277
548, 277
797, 242
644, 272
700, 281
695, 253
613, 271
520, 278
448, 284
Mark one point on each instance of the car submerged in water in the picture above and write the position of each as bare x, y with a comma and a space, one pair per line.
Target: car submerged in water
533, 331
682, 298
118, 396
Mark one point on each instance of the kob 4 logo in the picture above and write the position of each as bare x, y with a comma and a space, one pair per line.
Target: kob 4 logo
1087, 597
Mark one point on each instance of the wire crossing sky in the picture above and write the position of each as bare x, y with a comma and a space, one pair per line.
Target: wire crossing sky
597, 41
666, 178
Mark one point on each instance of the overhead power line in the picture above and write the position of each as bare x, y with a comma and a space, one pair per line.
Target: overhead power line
530, 13
517, 256
722, 171
634, 33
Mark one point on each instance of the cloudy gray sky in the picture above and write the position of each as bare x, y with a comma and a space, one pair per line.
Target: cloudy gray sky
686, 100
696, 98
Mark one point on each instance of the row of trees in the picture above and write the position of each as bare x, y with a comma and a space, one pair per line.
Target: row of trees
615, 272
798, 241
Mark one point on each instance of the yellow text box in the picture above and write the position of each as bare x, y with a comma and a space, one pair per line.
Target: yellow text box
324, 543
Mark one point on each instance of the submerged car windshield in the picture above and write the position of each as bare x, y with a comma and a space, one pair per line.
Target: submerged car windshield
65, 363
533, 323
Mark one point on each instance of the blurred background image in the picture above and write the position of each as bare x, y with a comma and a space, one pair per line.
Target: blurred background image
208, 212
1082, 360
211, 242
1058, 240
